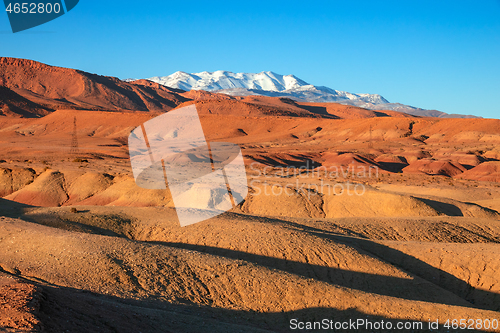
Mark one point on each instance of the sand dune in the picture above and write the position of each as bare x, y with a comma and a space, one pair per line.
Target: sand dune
435, 167
46, 191
488, 171
374, 203
52, 189
87, 185
125, 192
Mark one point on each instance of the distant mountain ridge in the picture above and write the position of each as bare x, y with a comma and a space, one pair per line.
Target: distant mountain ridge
31, 89
289, 86
221, 80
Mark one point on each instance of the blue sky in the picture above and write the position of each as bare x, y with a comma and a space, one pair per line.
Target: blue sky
442, 55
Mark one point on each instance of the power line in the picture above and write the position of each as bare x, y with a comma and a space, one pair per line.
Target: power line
74, 141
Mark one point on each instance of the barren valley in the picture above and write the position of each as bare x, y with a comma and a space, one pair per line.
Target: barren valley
351, 214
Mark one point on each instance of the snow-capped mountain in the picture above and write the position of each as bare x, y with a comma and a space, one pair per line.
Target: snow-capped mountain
276, 85
264, 83
221, 80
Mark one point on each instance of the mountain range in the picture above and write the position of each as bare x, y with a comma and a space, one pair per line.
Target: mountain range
32, 89
289, 86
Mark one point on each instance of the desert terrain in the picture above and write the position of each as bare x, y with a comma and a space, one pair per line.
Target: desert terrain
352, 214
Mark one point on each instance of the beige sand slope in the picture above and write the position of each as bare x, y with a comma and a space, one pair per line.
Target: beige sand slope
242, 264
46, 191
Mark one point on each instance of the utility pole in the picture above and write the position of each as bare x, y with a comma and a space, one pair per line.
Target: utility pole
74, 141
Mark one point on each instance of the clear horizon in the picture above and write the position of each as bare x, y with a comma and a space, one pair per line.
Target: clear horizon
441, 56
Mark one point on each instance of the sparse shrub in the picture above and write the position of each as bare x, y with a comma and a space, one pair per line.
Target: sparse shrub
80, 160
73, 210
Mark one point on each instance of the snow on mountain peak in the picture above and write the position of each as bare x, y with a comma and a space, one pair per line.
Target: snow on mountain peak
266, 83
275, 85
220, 80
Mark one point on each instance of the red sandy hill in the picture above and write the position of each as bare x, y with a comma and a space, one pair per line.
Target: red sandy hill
29, 88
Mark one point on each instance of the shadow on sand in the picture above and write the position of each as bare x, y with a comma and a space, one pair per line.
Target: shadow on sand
65, 309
